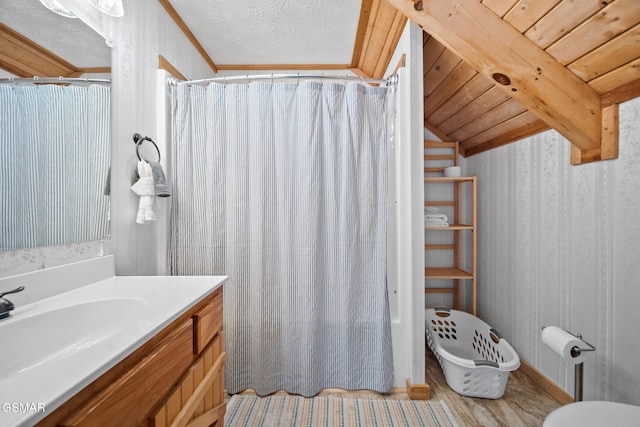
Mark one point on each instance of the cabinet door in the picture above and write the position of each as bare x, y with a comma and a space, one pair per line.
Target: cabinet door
198, 399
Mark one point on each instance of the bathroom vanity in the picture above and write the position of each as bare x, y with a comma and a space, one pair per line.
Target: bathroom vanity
117, 352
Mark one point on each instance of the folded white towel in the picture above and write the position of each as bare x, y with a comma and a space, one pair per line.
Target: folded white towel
436, 224
431, 210
436, 217
145, 188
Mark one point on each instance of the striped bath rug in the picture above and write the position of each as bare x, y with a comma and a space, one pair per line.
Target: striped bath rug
330, 411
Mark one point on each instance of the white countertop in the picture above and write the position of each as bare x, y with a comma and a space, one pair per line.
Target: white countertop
94, 327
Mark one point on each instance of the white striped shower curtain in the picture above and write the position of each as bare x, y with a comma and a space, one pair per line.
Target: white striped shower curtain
283, 187
55, 145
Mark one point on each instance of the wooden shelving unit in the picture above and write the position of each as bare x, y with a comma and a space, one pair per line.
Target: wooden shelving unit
461, 203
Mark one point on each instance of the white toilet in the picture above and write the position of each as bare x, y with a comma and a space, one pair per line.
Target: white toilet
594, 414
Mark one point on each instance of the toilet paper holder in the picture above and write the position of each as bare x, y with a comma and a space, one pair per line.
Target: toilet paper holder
575, 351
579, 368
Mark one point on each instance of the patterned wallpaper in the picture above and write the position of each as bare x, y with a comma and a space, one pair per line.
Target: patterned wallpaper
557, 245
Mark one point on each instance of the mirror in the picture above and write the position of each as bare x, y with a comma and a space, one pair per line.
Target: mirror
54, 153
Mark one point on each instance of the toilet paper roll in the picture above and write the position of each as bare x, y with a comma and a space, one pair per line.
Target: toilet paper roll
453, 171
561, 341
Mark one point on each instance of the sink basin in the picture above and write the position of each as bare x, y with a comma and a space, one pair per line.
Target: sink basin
31, 341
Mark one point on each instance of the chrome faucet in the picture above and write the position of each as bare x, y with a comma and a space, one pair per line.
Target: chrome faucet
5, 305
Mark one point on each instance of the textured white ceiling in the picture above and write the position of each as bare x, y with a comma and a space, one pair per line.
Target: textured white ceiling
71, 39
273, 31
231, 31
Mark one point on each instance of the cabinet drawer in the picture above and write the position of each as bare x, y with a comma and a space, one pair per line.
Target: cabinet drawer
207, 322
129, 399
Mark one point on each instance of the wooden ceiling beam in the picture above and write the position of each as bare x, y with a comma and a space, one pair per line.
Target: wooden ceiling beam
610, 135
533, 77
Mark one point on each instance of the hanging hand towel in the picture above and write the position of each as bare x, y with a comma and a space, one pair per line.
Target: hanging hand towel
161, 188
107, 183
144, 188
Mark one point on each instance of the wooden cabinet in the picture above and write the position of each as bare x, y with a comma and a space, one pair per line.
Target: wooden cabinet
458, 239
198, 398
175, 379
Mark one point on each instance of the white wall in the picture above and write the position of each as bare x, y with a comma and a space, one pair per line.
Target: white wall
145, 32
406, 237
558, 245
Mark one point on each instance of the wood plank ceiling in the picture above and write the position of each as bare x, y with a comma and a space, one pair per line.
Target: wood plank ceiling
379, 31
596, 40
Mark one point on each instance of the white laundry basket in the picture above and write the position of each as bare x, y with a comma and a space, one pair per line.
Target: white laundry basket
475, 359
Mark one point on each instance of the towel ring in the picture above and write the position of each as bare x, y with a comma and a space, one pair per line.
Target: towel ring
139, 139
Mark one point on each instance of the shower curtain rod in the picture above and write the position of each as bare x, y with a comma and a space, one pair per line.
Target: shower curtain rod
39, 80
392, 80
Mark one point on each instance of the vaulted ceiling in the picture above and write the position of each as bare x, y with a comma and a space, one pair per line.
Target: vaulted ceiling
495, 71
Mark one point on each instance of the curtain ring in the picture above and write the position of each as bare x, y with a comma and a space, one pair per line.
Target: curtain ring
139, 139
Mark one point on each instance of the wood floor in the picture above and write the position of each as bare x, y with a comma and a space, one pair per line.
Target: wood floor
523, 404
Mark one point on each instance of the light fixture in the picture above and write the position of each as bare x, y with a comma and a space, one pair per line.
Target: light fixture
55, 6
110, 7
